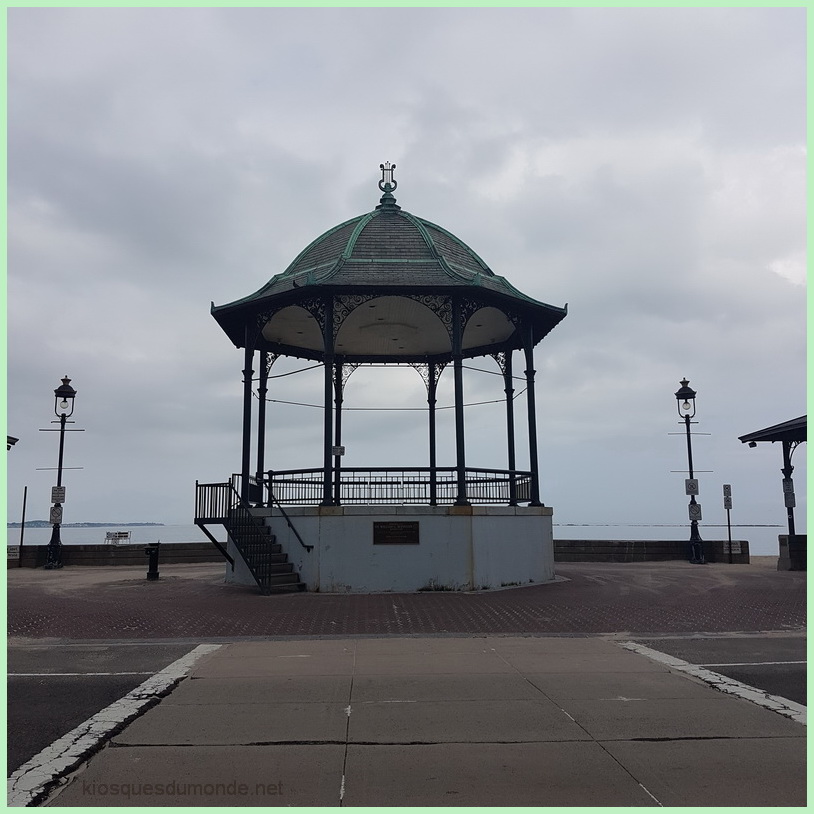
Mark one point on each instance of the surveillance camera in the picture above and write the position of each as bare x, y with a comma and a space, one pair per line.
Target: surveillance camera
753, 444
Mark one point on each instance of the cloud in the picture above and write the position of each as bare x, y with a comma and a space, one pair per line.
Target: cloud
646, 166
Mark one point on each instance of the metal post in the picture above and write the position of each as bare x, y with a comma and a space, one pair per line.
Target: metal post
245, 468
328, 338
262, 392
795, 561
22, 527
528, 347
460, 445
54, 557
509, 390
152, 560
729, 534
432, 383
696, 544
338, 396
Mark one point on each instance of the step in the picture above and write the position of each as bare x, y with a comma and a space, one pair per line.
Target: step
281, 579
275, 568
253, 531
292, 588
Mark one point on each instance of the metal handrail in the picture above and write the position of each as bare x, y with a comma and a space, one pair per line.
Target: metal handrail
288, 520
254, 483
398, 485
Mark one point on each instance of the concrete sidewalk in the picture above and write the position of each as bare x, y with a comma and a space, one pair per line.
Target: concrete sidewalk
428, 721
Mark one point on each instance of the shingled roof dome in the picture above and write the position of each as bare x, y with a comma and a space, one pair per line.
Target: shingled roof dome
395, 257
388, 247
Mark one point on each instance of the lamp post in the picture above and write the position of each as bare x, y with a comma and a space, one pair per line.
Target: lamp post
685, 397
64, 397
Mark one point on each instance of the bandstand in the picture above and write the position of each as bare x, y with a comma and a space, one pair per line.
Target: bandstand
384, 288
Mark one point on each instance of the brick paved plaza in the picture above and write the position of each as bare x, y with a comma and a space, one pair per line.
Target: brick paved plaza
588, 598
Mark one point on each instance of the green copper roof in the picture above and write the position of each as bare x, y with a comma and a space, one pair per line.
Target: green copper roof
388, 252
386, 247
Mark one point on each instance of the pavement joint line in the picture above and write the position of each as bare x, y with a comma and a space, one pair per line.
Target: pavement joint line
658, 802
62, 675
783, 706
31, 781
747, 663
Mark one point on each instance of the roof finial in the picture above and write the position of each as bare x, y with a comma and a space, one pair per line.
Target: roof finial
387, 185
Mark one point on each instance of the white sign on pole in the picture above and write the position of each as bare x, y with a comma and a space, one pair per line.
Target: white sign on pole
57, 494
56, 515
691, 485
695, 511
727, 502
727, 490
338, 450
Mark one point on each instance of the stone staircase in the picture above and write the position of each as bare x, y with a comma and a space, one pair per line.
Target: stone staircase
261, 552
221, 504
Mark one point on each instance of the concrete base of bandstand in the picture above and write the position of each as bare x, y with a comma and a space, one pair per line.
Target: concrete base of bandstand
379, 548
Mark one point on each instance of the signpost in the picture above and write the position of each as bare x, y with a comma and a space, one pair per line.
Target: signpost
788, 493
728, 507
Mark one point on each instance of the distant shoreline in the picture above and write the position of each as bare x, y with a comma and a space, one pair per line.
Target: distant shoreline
42, 524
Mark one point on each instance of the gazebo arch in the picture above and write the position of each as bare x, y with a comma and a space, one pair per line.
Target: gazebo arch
387, 288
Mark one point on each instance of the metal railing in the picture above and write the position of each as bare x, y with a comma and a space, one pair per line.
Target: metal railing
226, 498
214, 501
389, 485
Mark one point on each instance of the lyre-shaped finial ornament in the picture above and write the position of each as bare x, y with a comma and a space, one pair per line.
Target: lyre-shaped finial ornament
387, 184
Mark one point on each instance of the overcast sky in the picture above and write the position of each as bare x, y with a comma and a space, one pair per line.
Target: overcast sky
645, 166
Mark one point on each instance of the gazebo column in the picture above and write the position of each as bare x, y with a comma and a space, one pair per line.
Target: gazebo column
338, 431
460, 445
328, 331
509, 390
432, 385
262, 392
245, 469
528, 347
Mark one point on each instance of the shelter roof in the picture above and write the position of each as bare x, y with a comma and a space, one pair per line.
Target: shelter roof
793, 430
403, 267
382, 248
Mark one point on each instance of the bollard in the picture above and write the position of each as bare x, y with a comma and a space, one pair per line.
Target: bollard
152, 560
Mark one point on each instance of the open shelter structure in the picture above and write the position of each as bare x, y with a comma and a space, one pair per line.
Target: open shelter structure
386, 287
790, 434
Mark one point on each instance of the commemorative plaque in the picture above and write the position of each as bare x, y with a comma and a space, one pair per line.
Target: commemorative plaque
395, 533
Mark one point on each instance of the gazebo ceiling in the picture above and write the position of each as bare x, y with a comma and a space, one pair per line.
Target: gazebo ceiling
388, 282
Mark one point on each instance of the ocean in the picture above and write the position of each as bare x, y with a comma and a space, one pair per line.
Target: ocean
762, 539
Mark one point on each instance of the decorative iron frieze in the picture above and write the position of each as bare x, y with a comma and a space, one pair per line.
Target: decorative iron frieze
439, 304
316, 307
271, 358
344, 304
429, 372
502, 359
